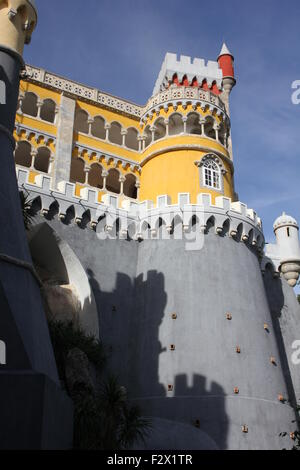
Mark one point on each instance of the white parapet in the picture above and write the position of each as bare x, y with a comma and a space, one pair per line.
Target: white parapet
138, 218
186, 66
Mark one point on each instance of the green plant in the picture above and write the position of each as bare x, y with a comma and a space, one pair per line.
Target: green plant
26, 209
65, 336
106, 421
103, 420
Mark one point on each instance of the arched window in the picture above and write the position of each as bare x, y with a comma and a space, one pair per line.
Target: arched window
131, 139
113, 181
48, 110
95, 176
130, 189
29, 104
222, 132
211, 174
175, 124
209, 128
23, 154
98, 129
193, 125
160, 129
77, 174
81, 121
42, 159
115, 136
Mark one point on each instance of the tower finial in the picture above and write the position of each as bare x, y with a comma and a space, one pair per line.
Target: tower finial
225, 50
18, 19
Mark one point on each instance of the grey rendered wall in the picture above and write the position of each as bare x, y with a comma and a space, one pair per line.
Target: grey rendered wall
137, 288
200, 287
286, 318
111, 268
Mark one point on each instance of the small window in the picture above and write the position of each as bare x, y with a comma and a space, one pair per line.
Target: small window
288, 231
211, 175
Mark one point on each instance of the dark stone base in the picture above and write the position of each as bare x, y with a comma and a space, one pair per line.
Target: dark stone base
34, 412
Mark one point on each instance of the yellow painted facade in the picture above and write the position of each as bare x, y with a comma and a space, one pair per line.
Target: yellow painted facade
164, 166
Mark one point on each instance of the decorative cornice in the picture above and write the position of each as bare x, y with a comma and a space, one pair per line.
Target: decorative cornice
184, 95
171, 97
31, 130
186, 147
108, 156
244, 224
78, 91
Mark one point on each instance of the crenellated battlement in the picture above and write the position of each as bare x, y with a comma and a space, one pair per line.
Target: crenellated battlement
191, 68
125, 218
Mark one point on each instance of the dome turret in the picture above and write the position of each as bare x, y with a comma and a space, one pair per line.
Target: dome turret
284, 221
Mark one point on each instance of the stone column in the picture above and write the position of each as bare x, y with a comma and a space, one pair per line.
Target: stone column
34, 412
122, 181
107, 127
87, 170
64, 142
104, 176
124, 134
166, 121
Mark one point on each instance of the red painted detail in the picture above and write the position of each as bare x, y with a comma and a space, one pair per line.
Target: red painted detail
175, 79
185, 81
226, 64
214, 89
204, 85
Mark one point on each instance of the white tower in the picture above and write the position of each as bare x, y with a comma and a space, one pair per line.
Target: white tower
286, 230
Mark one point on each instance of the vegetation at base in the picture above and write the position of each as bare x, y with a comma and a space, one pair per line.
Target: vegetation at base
65, 336
106, 420
103, 419
26, 209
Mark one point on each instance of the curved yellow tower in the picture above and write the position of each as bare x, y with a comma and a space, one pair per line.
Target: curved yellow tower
186, 145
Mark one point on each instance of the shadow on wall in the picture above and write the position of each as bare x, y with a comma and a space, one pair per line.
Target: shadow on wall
285, 312
191, 417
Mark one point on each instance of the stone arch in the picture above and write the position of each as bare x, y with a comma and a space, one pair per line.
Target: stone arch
23, 155
146, 230
29, 104
222, 133
95, 178
160, 128
77, 174
210, 223
66, 284
147, 135
42, 159
48, 110
209, 130
113, 181
115, 136
98, 127
129, 188
131, 138
226, 226
81, 121
192, 124
175, 124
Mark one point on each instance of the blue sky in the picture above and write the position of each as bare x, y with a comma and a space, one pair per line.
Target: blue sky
118, 46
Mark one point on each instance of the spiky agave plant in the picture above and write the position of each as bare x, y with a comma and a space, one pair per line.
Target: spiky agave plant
122, 424
26, 209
